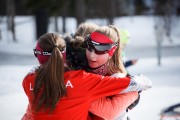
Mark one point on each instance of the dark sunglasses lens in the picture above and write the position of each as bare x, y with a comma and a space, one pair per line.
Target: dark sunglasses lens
99, 49
100, 52
102, 47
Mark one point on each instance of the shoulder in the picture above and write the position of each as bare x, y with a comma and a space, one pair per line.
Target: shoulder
31, 73
28, 81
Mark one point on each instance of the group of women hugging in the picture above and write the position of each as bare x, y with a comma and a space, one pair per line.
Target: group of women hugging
81, 76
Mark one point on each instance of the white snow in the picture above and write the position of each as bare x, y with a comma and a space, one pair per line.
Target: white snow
165, 78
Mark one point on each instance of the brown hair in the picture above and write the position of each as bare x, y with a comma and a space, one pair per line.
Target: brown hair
115, 62
49, 83
82, 31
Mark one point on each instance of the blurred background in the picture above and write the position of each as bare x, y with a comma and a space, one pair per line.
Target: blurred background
153, 41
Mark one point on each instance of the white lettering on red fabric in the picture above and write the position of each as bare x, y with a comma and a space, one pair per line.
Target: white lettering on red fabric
30, 87
69, 84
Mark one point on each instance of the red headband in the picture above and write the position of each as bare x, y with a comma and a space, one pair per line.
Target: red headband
100, 38
41, 58
44, 58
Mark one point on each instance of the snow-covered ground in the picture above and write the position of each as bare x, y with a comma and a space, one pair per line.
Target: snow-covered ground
165, 78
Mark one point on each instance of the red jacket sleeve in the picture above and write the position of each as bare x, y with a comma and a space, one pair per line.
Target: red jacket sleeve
99, 86
110, 107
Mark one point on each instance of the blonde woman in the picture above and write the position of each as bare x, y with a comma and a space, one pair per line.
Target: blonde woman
103, 53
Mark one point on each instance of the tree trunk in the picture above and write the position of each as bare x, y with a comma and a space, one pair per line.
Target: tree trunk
56, 23
159, 52
41, 22
64, 24
159, 32
65, 11
80, 11
10, 17
111, 12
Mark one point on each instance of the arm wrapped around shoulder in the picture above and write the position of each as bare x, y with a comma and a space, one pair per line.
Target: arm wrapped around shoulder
138, 83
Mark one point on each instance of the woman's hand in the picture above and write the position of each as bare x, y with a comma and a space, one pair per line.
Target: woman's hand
138, 83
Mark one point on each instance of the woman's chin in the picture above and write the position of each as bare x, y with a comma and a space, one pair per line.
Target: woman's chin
93, 66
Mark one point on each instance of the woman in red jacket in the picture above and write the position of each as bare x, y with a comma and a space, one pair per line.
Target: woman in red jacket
104, 57
103, 52
57, 93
